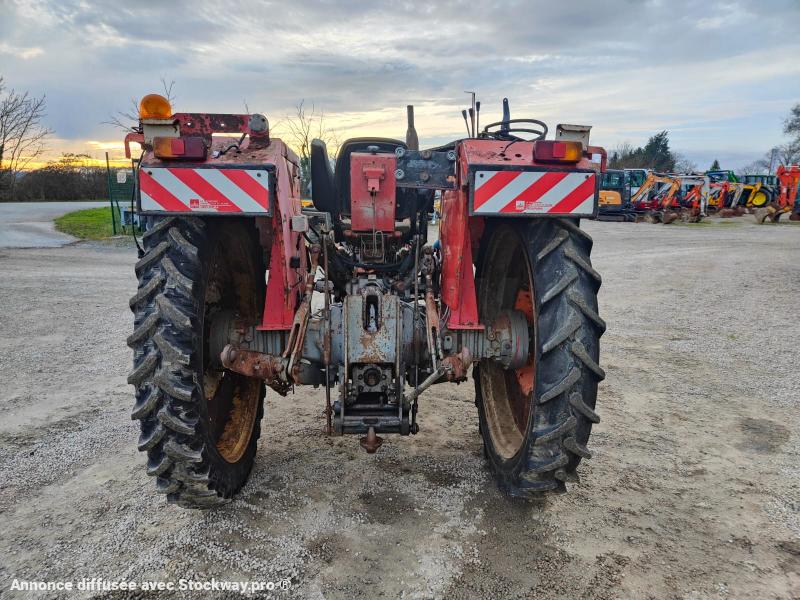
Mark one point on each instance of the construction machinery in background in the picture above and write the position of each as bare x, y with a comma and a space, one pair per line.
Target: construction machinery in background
615, 197
649, 198
690, 201
240, 287
786, 200
724, 197
768, 189
666, 198
635, 178
731, 197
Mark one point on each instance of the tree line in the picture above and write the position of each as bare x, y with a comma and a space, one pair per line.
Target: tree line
657, 155
70, 177
23, 137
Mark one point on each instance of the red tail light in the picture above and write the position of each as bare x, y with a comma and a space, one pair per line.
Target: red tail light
552, 151
180, 148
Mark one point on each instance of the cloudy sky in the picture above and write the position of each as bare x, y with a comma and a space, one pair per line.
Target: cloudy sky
720, 76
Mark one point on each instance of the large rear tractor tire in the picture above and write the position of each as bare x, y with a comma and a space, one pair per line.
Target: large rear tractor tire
535, 421
199, 423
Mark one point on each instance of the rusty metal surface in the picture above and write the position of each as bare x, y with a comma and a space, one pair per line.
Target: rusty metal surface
363, 344
456, 365
326, 349
207, 123
251, 363
275, 153
371, 442
297, 333
496, 152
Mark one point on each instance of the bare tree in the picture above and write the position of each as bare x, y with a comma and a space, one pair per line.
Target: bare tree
128, 119
303, 127
22, 135
684, 164
791, 126
785, 154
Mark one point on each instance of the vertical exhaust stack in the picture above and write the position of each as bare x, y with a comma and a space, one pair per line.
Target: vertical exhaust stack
412, 141
506, 116
466, 121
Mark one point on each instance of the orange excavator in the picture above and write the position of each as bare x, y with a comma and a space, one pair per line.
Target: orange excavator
657, 191
787, 199
693, 203
664, 204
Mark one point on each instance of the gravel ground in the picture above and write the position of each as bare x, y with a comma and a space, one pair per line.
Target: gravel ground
693, 490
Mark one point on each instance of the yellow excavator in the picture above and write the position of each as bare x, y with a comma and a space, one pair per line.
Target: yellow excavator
731, 197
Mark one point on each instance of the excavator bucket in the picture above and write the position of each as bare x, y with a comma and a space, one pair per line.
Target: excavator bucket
669, 217
761, 215
654, 216
695, 215
770, 212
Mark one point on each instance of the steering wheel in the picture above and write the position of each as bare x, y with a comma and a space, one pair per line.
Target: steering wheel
496, 131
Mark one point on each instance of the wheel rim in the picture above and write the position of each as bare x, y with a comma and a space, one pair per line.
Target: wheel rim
507, 394
759, 199
231, 399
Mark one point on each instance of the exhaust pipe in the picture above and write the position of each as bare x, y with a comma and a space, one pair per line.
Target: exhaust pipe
506, 117
466, 121
412, 141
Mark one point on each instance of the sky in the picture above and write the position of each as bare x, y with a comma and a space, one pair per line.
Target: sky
719, 76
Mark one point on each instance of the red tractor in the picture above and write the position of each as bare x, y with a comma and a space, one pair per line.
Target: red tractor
241, 289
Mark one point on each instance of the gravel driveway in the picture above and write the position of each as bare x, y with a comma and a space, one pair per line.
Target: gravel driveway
693, 491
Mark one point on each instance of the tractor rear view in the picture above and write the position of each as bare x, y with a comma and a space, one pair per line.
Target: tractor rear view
241, 289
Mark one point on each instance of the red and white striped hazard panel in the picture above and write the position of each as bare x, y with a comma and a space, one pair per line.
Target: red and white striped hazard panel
176, 189
534, 192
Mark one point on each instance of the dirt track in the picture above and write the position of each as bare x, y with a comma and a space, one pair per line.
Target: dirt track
693, 491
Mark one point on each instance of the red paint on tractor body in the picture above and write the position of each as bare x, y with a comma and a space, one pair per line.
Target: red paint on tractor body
458, 279
460, 233
373, 192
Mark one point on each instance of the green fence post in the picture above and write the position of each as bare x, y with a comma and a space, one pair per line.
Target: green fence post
111, 197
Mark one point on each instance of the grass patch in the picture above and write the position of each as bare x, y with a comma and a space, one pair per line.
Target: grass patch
87, 224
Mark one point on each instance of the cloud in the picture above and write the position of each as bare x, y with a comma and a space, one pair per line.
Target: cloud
630, 68
23, 53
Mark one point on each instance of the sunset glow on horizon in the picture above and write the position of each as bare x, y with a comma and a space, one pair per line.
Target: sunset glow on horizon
361, 64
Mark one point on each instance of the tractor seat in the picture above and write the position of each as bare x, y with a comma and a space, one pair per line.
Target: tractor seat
342, 174
330, 191
323, 189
